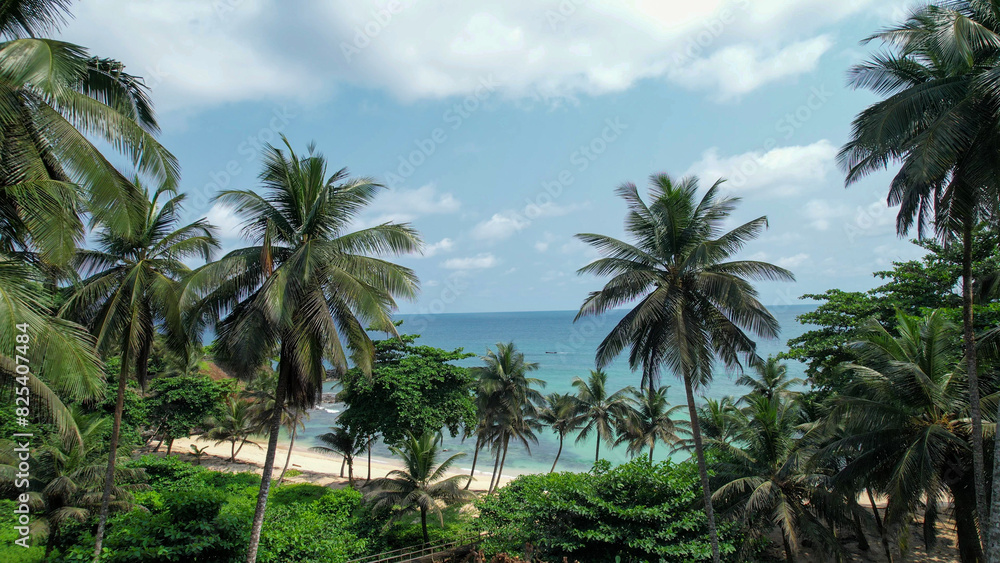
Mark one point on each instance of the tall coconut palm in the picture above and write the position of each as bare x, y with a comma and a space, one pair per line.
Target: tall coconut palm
422, 484
307, 285
651, 420
939, 123
600, 412
561, 413
132, 286
508, 398
905, 426
696, 304
235, 425
772, 379
716, 419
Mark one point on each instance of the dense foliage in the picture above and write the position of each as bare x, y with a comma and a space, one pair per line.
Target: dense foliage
637, 511
411, 388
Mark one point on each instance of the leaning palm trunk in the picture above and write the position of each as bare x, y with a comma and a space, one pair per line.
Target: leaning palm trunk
879, 526
558, 453
503, 461
978, 466
475, 458
702, 468
109, 476
288, 458
272, 448
496, 467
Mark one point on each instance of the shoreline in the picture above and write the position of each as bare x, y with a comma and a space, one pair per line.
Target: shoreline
316, 468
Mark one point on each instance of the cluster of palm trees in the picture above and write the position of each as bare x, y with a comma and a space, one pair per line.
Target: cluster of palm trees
511, 406
898, 432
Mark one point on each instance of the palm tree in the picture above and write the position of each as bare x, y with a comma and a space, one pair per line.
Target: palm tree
71, 478
561, 413
305, 286
939, 122
422, 484
133, 285
235, 425
695, 304
649, 421
599, 412
772, 379
716, 419
343, 442
905, 426
508, 399
292, 424
768, 482
55, 98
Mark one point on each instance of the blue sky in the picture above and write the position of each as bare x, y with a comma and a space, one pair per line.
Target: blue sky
503, 127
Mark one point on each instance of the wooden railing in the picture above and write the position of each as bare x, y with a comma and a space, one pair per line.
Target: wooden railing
418, 551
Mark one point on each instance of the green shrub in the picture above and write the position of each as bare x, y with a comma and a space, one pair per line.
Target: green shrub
293, 494
636, 512
9, 551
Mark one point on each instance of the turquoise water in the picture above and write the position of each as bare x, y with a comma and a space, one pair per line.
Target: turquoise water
537, 334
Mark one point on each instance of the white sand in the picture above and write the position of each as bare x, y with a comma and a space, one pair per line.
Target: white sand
316, 467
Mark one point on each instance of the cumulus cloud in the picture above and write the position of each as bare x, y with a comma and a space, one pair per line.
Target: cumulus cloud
733, 71
792, 261
779, 171
500, 226
195, 53
424, 200
443, 245
821, 213
478, 262
223, 217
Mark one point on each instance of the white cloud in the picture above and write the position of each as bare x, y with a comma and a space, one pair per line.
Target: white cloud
500, 226
424, 200
733, 71
443, 245
195, 53
779, 171
792, 261
477, 262
820, 213
223, 217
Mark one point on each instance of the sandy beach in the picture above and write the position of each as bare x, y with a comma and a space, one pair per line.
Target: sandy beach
318, 468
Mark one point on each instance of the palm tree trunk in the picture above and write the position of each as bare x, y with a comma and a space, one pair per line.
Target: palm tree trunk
288, 458
343, 465
651, 446
475, 458
170, 446
50, 543
859, 531
503, 461
558, 453
370, 440
423, 525
788, 548
232, 452
243, 443
699, 452
272, 448
978, 467
350, 471
597, 454
496, 466
881, 528
109, 476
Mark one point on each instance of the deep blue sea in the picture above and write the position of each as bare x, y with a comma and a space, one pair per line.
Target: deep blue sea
538, 335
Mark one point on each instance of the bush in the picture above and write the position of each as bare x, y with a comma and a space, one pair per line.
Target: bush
9, 551
635, 512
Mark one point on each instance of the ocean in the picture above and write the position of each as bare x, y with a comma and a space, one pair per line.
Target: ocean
564, 350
